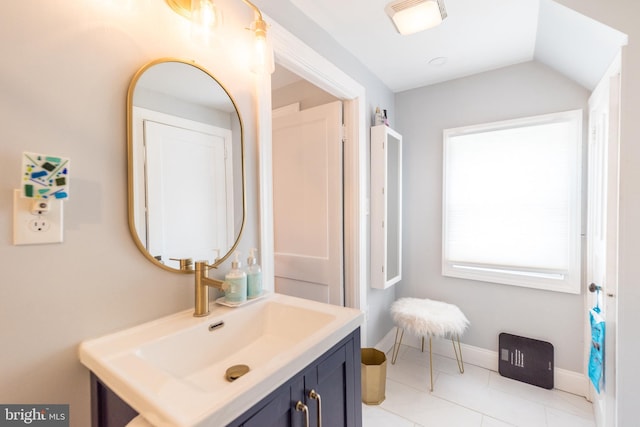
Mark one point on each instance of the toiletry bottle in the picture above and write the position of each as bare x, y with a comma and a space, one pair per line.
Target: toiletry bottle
378, 117
235, 283
254, 276
385, 120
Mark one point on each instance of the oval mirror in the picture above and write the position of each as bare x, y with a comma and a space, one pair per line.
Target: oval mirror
185, 165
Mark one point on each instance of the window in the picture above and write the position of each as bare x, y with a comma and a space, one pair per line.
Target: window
512, 202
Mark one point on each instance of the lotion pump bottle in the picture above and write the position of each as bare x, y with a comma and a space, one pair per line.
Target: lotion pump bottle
378, 120
235, 283
254, 276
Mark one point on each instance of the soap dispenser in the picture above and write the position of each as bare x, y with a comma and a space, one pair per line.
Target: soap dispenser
254, 276
235, 289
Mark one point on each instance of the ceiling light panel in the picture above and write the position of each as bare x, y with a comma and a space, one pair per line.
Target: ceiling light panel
412, 16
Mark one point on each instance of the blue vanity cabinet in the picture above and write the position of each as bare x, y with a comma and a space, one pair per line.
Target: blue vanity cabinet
277, 410
334, 376
338, 389
107, 409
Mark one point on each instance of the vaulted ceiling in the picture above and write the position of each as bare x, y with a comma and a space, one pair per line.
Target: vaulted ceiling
476, 36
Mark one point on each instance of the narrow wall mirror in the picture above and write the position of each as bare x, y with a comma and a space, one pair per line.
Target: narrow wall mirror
386, 207
185, 165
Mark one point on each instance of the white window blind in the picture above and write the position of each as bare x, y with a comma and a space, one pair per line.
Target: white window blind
512, 202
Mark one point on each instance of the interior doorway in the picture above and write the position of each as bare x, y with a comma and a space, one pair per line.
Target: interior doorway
298, 57
308, 188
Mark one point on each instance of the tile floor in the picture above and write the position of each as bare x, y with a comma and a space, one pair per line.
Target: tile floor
477, 398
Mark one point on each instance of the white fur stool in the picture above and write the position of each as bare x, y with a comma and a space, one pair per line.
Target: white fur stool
424, 317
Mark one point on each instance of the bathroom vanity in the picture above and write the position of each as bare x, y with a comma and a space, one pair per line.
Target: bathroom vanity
335, 378
303, 357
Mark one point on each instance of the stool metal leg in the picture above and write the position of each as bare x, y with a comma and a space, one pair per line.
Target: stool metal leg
456, 350
396, 345
430, 364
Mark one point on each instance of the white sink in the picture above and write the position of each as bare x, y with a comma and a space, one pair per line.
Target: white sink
172, 370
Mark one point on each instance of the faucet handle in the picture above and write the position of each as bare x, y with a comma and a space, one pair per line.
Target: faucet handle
185, 263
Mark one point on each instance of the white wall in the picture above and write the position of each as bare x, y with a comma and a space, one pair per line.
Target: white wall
517, 91
623, 15
64, 78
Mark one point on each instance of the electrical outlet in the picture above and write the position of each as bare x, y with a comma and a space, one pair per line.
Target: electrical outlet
30, 228
40, 225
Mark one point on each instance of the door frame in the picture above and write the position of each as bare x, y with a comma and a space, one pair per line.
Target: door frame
612, 229
298, 57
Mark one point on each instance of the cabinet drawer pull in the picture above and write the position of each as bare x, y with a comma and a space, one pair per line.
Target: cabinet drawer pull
302, 407
314, 395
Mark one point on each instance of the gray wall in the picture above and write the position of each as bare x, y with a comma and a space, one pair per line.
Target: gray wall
64, 80
517, 91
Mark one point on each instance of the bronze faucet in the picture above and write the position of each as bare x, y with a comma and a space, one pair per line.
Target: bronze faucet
203, 282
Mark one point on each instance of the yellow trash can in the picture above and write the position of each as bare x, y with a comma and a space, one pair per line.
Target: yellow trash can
373, 367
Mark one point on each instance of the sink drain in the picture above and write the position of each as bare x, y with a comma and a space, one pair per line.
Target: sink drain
235, 372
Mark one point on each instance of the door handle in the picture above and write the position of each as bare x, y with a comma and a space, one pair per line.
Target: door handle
303, 408
314, 395
593, 287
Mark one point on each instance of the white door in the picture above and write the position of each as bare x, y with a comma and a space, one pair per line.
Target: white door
175, 156
602, 229
308, 203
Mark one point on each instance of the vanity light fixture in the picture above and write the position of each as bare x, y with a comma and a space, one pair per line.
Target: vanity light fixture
205, 18
412, 16
262, 62
205, 13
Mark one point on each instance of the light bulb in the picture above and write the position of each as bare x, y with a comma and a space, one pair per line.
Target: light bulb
262, 61
205, 19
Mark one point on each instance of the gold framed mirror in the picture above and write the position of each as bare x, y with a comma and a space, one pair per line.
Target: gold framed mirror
185, 155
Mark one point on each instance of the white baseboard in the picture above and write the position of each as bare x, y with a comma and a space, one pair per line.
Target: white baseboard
565, 380
386, 343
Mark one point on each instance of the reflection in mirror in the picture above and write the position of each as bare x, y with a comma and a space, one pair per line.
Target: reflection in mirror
186, 177
394, 191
